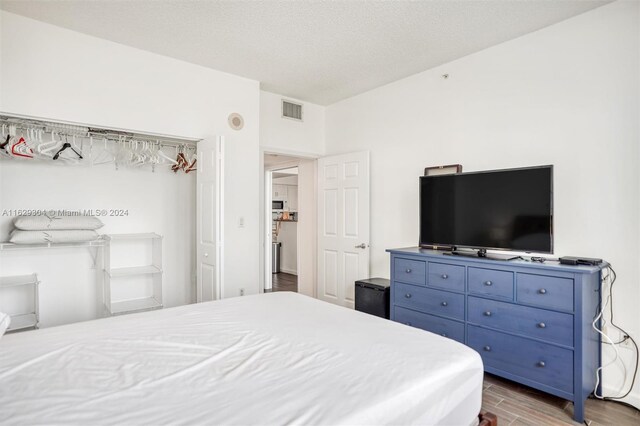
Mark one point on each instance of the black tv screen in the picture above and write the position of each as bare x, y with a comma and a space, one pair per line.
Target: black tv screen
502, 209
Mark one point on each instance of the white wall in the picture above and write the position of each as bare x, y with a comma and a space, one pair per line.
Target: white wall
283, 135
566, 95
55, 73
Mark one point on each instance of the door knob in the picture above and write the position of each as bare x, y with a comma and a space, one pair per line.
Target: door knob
206, 255
361, 246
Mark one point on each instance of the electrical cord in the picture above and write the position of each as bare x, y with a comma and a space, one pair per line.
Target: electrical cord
600, 318
626, 336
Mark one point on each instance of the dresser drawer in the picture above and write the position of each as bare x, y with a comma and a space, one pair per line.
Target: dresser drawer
545, 291
444, 327
449, 277
429, 301
410, 271
540, 362
490, 282
555, 327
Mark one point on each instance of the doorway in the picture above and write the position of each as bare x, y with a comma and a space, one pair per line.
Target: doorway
289, 223
284, 229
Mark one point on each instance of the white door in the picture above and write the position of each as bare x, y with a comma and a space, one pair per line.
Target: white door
343, 226
209, 219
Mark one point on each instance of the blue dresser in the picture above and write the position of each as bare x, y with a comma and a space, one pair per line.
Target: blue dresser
530, 322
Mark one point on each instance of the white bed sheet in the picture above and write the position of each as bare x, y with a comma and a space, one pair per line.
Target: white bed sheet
277, 358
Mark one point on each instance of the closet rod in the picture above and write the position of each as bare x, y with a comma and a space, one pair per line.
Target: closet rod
86, 130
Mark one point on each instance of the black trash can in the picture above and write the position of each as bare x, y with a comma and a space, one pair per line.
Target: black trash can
372, 296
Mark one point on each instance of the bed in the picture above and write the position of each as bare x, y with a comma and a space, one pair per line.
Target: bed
276, 358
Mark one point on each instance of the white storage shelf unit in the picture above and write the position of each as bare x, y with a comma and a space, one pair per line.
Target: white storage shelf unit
31, 318
113, 274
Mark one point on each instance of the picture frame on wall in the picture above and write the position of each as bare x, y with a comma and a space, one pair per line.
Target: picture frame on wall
443, 170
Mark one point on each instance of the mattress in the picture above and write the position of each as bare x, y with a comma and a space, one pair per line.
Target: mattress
277, 358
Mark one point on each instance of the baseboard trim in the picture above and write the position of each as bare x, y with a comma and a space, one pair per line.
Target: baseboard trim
633, 398
289, 271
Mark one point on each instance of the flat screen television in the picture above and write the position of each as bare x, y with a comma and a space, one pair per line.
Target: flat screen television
508, 209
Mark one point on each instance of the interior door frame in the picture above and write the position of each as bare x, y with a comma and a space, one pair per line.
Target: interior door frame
265, 211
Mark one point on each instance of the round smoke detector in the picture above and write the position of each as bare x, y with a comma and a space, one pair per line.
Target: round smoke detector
236, 122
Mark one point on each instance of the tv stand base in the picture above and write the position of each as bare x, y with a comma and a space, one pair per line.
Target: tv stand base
480, 253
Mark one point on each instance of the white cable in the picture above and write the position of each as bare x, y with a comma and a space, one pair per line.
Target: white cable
606, 337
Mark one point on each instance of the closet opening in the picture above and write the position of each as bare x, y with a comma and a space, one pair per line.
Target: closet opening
289, 223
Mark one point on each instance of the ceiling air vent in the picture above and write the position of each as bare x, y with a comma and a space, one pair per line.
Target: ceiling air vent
291, 110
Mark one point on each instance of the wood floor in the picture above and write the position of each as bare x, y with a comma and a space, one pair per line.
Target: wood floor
515, 404
284, 282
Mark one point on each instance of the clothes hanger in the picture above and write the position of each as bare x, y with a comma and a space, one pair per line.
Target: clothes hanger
47, 147
104, 157
141, 156
5, 143
36, 136
181, 161
66, 145
19, 147
148, 154
6, 137
194, 158
164, 156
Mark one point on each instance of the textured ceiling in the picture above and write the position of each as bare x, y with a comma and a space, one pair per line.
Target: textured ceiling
318, 51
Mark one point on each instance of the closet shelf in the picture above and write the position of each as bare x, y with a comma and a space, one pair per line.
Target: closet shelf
144, 236
134, 270
20, 322
17, 280
153, 271
12, 246
134, 305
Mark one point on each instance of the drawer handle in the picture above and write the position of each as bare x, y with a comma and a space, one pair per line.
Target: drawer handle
541, 364
542, 291
487, 348
444, 334
444, 304
488, 283
408, 271
445, 276
542, 325
487, 314
408, 295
